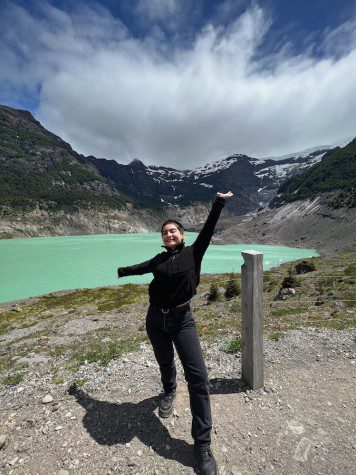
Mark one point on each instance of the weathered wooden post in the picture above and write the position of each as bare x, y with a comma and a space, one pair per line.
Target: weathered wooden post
252, 318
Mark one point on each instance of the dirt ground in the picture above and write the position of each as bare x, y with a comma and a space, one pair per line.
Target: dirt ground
302, 422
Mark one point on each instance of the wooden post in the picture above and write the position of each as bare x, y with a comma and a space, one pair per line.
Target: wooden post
252, 319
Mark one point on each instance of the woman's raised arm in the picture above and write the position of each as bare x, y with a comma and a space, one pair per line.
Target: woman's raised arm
204, 237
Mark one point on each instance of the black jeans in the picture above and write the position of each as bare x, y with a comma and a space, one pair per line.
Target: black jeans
178, 328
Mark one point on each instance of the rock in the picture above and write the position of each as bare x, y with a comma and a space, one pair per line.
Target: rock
301, 452
283, 293
13, 461
47, 399
16, 308
2, 440
63, 472
33, 358
58, 428
296, 429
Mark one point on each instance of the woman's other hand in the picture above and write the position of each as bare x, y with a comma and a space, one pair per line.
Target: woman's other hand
226, 196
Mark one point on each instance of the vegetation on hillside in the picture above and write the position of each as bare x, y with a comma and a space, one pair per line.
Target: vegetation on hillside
38, 169
334, 174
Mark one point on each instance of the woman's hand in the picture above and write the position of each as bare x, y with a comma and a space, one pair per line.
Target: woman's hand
226, 196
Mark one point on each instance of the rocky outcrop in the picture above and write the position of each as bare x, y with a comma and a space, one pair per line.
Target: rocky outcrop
82, 222
130, 219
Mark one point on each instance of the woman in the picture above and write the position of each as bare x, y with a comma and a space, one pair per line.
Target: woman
170, 322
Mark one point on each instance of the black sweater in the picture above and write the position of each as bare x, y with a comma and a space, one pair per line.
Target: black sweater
177, 273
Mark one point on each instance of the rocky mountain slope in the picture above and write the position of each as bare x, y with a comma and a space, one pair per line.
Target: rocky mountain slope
253, 181
309, 223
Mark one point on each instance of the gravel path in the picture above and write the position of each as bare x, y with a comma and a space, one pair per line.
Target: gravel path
302, 422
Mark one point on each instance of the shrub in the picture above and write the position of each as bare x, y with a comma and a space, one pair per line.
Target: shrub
232, 288
213, 294
289, 282
304, 267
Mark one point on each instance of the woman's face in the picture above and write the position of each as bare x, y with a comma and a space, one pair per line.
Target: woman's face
171, 236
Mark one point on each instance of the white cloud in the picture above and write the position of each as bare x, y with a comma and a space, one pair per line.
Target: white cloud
157, 9
111, 95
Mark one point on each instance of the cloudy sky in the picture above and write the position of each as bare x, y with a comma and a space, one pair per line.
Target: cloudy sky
181, 83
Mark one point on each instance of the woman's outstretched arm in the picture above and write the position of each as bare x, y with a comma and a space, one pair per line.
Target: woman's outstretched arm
204, 237
139, 269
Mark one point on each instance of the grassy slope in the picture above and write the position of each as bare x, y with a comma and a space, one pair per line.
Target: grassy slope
322, 300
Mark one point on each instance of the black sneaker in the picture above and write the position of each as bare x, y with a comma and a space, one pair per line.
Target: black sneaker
165, 408
206, 461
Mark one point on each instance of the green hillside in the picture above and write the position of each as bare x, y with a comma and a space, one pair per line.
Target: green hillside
37, 168
335, 174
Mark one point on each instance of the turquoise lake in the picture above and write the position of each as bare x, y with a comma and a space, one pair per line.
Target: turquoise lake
34, 266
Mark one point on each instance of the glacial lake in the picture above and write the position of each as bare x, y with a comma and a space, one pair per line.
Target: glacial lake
34, 266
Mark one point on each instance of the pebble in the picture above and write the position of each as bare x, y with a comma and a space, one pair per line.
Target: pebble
58, 428
16, 308
63, 472
13, 461
47, 399
301, 452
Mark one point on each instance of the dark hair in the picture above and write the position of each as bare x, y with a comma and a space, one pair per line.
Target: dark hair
177, 223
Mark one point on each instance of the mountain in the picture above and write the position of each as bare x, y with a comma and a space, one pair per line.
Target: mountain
46, 188
37, 168
334, 174
253, 181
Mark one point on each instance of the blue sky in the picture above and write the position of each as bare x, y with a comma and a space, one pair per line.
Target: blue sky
182, 83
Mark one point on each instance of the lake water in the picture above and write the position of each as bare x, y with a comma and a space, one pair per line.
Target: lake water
34, 266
